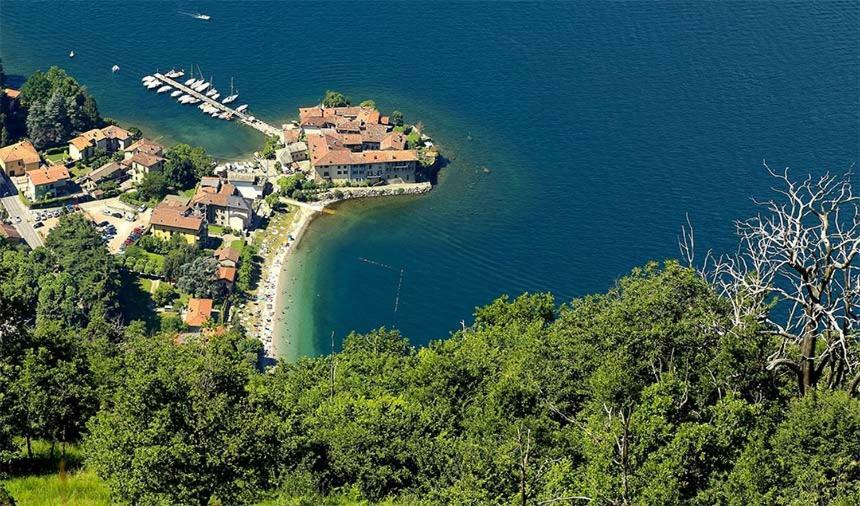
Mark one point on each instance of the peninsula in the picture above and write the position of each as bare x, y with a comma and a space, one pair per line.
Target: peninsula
204, 243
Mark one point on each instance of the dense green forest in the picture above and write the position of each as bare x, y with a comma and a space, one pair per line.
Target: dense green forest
681, 384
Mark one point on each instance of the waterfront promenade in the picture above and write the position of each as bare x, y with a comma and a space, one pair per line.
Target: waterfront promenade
247, 119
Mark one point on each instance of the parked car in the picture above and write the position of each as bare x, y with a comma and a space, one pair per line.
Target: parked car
37, 224
142, 208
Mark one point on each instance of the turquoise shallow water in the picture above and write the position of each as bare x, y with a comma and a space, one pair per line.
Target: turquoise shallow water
601, 125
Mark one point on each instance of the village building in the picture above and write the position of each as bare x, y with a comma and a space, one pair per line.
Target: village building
142, 163
291, 134
226, 276
197, 313
227, 256
111, 171
333, 161
355, 145
292, 152
18, 158
13, 100
110, 139
47, 182
8, 233
222, 205
143, 146
248, 185
173, 216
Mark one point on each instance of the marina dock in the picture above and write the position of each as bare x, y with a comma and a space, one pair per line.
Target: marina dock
245, 118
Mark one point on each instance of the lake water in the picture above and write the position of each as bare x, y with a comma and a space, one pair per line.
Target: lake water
600, 125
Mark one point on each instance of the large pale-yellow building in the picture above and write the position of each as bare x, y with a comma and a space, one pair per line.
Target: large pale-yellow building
173, 217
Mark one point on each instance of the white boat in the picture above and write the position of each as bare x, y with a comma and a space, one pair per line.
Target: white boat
202, 87
176, 93
215, 96
164, 88
71, 54
189, 82
214, 113
155, 83
242, 108
146, 79
173, 74
234, 94
194, 100
211, 92
115, 69
197, 15
184, 99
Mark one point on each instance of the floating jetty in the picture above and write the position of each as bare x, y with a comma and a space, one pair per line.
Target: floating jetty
215, 107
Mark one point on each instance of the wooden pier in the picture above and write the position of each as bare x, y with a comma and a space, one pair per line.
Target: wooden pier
262, 126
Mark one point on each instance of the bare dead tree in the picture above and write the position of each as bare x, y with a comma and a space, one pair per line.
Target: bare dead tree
796, 271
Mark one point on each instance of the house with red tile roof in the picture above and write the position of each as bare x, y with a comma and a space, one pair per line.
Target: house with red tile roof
174, 217
355, 145
110, 139
227, 256
197, 313
47, 182
142, 163
333, 160
9, 233
227, 276
18, 158
220, 203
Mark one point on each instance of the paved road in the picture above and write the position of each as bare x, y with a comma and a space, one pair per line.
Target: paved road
16, 208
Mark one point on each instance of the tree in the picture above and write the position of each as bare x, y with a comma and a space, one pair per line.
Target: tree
199, 278
397, 118
249, 269
335, 99
79, 111
269, 148
287, 184
181, 429
273, 200
796, 270
179, 253
164, 294
368, 104
184, 166
152, 187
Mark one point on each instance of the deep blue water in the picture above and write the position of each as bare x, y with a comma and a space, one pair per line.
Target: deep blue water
601, 125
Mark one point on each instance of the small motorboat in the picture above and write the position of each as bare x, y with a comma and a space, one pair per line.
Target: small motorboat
242, 108
189, 82
176, 93
71, 54
114, 69
164, 88
215, 96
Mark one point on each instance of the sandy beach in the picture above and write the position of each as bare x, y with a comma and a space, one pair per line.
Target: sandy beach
264, 315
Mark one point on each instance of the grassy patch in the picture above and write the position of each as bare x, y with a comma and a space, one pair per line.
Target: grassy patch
80, 488
188, 193
216, 229
39, 481
80, 170
145, 284
238, 245
55, 157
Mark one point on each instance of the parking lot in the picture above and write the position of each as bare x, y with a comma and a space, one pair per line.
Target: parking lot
115, 224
